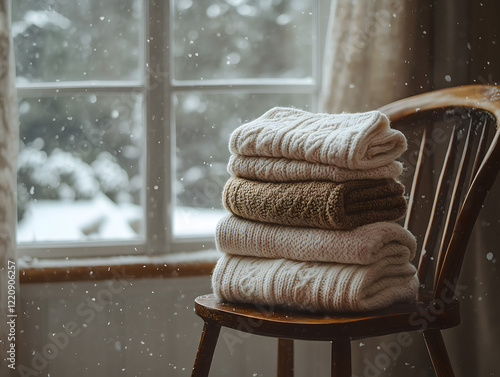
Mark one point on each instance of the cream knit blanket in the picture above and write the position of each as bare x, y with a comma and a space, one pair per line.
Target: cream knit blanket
352, 141
366, 244
272, 169
327, 205
313, 286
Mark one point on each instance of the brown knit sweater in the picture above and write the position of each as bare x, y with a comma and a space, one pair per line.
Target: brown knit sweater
318, 204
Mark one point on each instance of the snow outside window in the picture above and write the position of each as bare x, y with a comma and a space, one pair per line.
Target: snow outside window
125, 110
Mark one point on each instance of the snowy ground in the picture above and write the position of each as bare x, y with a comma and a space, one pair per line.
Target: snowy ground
102, 219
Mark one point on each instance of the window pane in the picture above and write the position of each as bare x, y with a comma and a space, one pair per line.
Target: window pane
79, 168
204, 122
242, 39
66, 40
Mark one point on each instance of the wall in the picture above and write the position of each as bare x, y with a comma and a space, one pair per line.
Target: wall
131, 328
147, 327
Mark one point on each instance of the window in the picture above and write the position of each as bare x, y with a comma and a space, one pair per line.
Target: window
126, 107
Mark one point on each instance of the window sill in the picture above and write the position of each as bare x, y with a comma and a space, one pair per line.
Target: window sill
168, 266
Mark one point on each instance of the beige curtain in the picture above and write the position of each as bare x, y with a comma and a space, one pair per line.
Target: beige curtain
8, 151
370, 49
378, 51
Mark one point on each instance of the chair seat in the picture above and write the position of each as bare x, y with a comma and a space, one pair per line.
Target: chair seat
284, 323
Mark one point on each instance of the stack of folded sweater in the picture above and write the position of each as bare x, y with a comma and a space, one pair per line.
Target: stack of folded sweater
313, 201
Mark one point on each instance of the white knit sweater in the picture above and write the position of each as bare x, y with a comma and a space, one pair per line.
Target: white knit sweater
313, 286
352, 141
366, 244
272, 169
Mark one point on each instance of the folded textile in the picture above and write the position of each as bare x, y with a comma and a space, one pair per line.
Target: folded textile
352, 141
366, 244
313, 286
318, 204
272, 169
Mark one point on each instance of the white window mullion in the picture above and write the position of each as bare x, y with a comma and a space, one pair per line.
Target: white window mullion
158, 134
317, 43
249, 85
68, 88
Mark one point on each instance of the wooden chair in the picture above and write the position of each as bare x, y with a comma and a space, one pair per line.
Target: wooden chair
453, 159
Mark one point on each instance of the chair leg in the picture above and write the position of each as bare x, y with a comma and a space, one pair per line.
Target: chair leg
341, 358
206, 350
437, 352
285, 357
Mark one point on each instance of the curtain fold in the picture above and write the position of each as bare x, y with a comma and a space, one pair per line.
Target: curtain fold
368, 57
8, 153
372, 59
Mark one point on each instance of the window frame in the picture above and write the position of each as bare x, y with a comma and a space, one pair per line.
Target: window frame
158, 165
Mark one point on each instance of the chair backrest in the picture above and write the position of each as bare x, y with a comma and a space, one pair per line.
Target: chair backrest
452, 161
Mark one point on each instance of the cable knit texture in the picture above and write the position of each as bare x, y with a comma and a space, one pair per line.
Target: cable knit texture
313, 286
313, 201
353, 141
272, 169
366, 244
327, 205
